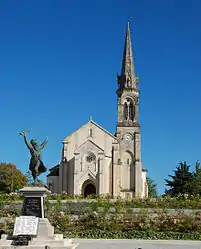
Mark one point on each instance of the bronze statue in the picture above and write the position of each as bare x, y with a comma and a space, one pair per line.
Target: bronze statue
36, 165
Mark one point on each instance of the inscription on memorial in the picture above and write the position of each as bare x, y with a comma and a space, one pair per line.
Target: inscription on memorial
21, 240
26, 225
32, 207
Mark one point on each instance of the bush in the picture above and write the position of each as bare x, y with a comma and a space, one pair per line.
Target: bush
104, 217
179, 202
104, 225
158, 225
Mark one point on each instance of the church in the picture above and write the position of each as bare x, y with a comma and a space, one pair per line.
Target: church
94, 161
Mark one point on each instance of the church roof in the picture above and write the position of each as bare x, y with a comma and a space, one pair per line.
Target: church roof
92, 122
103, 129
54, 171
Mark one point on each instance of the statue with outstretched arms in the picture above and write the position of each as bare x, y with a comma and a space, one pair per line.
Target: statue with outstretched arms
36, 165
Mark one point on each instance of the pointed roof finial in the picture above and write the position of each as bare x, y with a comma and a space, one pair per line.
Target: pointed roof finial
90, 118
129, 19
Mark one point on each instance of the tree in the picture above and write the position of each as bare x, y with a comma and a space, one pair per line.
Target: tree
152, 188
11, 179
194, 186
29, 178
180, 181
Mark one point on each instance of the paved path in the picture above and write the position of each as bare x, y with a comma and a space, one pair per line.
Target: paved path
136, 244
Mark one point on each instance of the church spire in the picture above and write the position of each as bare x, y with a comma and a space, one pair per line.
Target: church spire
127, 62
128, 78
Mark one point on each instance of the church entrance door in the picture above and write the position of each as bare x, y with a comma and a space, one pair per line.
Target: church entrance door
88, 189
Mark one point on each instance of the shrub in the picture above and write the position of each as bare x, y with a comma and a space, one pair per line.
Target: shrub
156, 225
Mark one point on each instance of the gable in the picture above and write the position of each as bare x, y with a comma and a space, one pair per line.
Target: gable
88, 146
92, 132
87, 175
89, 124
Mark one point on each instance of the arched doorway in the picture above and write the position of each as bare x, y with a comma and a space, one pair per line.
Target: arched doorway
88, 189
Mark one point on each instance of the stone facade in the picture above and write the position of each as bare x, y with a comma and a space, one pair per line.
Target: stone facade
96, 162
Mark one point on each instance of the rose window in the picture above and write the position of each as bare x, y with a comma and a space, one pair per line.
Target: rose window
90, 157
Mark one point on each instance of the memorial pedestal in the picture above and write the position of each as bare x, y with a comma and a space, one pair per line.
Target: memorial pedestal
33, 204
34, 224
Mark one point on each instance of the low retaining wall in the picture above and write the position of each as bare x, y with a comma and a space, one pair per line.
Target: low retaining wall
79, 207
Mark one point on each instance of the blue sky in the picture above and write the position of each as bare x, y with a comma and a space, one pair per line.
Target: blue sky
58, 66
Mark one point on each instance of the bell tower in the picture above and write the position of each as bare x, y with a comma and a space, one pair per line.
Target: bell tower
127, 88
128, 128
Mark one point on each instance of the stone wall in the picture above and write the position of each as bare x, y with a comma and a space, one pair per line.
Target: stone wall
80, 207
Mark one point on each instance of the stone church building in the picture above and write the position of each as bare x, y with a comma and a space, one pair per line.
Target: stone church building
96, 162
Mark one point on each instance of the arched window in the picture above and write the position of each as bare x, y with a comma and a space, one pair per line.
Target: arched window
90, 132
125, 111
129, 110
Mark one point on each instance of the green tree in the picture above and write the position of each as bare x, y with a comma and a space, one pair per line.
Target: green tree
152, 188
11, 179
194, 186
29, 178
180, 181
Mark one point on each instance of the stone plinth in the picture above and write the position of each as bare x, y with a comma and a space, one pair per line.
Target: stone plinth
45, 238
33, 204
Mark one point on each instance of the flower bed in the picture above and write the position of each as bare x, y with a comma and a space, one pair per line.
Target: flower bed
161, 225
94, 225
106, 217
